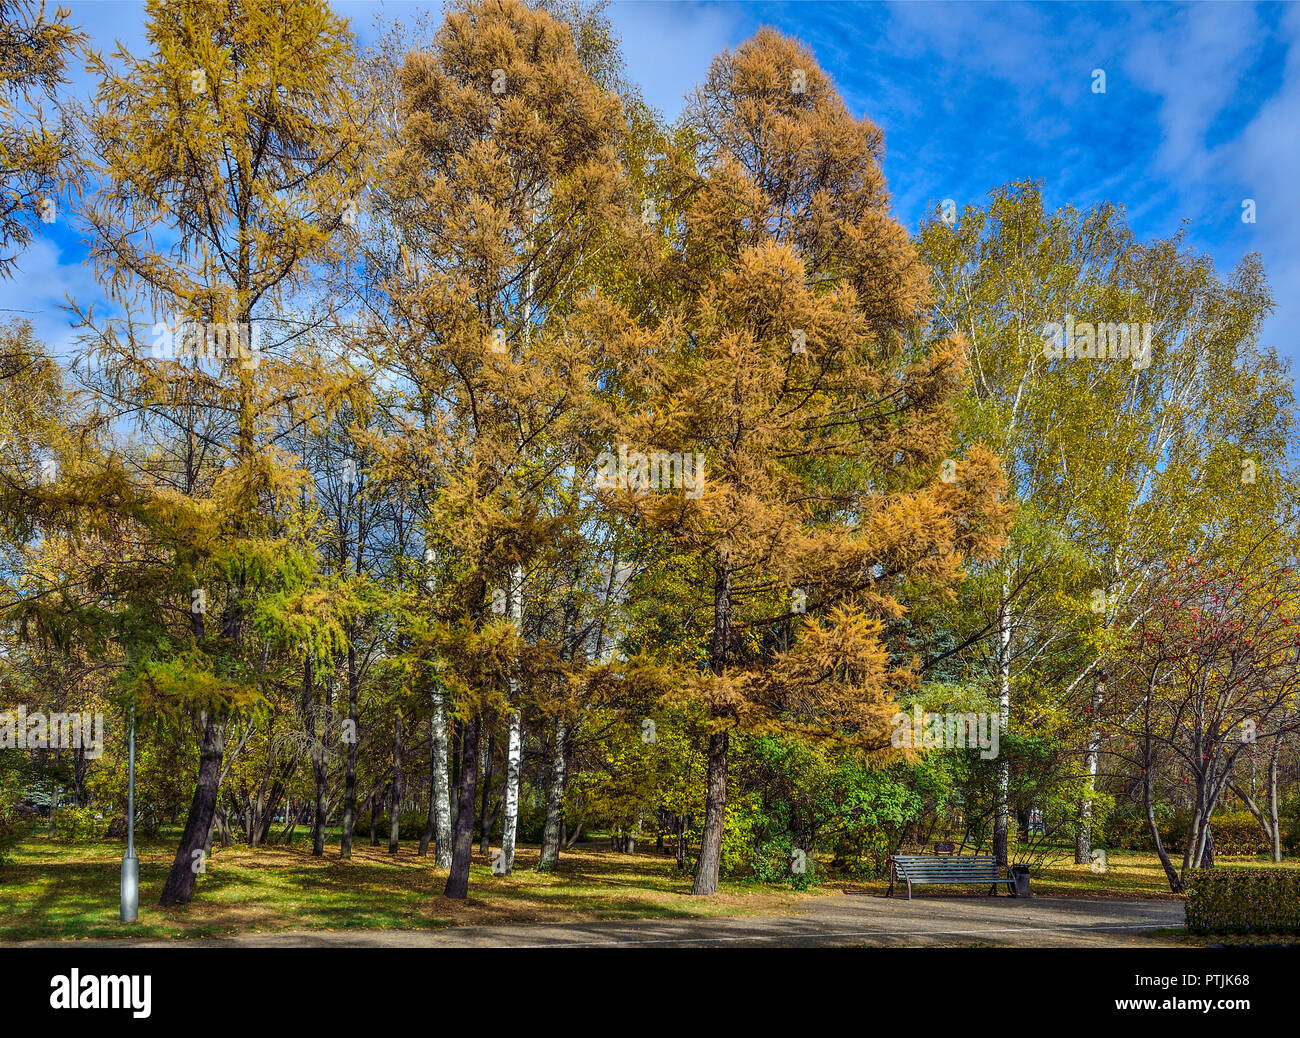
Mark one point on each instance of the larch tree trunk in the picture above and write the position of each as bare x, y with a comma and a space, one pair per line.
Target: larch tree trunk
395, 811
463, 836
553, 831
179, 888
710, 860
715, 804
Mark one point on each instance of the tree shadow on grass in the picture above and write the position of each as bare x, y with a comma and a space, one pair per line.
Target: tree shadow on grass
72, 892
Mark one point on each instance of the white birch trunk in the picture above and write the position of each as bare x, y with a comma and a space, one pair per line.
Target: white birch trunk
1092, 757
514, 749
1083, 844
441, 783
1002, 808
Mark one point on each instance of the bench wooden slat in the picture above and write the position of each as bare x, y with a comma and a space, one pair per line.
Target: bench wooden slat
918, 870
964, 872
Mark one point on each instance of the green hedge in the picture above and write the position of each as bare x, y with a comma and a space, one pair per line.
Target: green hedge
1228, 900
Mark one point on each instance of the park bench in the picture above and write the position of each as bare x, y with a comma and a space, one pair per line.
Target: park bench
917, 869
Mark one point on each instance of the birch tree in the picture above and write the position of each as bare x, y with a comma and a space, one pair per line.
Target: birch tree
1113, 450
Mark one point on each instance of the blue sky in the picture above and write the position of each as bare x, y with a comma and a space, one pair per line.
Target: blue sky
1201, 111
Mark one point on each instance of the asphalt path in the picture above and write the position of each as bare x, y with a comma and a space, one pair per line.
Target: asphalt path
848, 920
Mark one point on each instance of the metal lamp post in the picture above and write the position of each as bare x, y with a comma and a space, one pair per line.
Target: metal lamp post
130, 863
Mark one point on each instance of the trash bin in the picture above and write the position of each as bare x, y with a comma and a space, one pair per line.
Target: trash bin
1020, 873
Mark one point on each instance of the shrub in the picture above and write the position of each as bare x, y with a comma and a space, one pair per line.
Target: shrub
864, 857
753, 849
77, 823
1126, 829
738, 836
11, 828
1235, 833
776, 861
1290, 834
1241, 900
410, 826
532, 821
14, 821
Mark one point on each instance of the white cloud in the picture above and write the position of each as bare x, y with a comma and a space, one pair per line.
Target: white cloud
1264, 159
38, 293
1193, 67
668, 47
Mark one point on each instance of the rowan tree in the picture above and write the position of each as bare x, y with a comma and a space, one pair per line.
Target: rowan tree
1213, 667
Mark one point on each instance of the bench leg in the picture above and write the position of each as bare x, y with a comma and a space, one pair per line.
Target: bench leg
890, 891
909, 890
993, 890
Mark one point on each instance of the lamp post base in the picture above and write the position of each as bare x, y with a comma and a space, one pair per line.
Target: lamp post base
130, 886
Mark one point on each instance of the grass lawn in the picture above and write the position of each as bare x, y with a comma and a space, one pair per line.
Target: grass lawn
62, 890
59, 890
